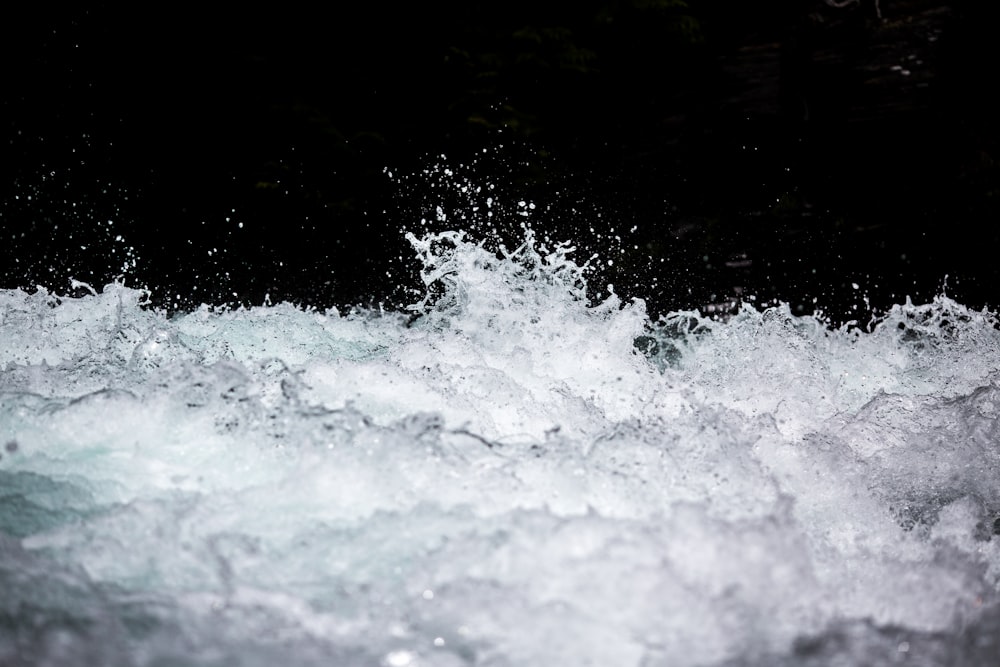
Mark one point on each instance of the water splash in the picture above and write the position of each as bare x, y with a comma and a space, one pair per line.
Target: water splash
508, 475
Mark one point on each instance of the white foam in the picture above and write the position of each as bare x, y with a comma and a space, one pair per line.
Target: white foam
504, 479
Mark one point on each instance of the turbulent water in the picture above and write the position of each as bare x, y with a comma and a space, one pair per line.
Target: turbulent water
504, 476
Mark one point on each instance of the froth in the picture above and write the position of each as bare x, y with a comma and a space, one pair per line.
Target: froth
505, 475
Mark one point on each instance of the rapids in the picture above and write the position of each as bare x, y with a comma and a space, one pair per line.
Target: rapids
507, 475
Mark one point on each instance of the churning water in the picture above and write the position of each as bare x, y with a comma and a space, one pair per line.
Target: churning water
507, 476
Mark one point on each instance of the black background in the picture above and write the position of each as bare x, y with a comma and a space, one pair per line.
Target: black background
785, 150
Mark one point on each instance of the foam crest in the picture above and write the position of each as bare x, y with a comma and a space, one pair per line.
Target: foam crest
506, 475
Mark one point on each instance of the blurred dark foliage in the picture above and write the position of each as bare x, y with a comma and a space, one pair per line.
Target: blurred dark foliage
786, 150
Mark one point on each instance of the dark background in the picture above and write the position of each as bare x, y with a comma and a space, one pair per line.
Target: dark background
786, 150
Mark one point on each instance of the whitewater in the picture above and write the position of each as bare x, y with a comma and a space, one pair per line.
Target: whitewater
506, 474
